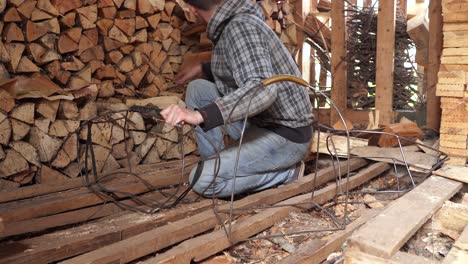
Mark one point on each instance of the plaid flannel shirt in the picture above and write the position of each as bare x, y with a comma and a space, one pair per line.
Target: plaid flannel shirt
246, 52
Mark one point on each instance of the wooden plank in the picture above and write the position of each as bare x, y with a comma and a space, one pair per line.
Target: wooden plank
67, 243
41, 189
82, 197
403, 218
457, 173
391, 155
459, 252
455, 27
385, 61
316, 251
435, 49
204, 246
76, 245
78, 216
337, 144
338, 64
356, 257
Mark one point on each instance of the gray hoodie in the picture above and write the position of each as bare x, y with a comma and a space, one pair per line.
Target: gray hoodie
246, 52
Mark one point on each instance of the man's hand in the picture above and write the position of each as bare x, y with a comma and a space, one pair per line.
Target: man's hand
189, 73
176, 114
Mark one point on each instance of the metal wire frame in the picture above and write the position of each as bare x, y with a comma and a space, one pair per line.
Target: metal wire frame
339, 223
96, 186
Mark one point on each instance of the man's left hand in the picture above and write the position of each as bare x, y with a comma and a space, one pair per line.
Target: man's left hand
176, 114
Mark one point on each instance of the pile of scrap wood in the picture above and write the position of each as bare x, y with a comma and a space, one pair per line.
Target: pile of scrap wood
398, 143
452, 84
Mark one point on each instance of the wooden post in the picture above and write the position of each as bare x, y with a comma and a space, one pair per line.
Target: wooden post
403, 6
299, 18
367, 3
338, 64
385, 62
435, 49
312, 73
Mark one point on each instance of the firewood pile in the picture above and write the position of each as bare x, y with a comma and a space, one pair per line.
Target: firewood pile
452, 82
64, 62
361, 59
98, 52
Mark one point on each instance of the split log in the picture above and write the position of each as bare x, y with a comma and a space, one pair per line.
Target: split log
46, 145
5, 131
19, 129
27, 151
408, 130
12, 164
7, 101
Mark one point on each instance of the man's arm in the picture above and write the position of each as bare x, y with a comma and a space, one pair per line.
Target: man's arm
247, 51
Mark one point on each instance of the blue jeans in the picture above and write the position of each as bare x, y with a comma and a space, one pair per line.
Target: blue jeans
266, 159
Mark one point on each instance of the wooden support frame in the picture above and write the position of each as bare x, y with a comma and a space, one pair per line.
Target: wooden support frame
385, 60
433, 111
338, 63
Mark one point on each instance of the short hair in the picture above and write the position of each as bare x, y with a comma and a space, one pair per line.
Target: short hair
203, 4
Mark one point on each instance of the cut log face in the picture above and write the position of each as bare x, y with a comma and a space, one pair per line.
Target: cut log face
46, 145
12, 164
5, 132
24, 112
19, 129
27, 151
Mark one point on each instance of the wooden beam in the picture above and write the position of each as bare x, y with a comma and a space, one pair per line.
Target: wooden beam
403, 218
385, 61
41, 189
367, 3
68, 243
317, 250
338, 64
159, 238
459, 252
403, 6
202, 247
62, 202
81, 215
299, 17
354, 256
81, 240
433, 113
454, 172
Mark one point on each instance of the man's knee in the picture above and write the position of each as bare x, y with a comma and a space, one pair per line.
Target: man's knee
199, 92
205, 184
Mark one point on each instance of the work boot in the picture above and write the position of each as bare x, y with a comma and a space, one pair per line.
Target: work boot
298, 173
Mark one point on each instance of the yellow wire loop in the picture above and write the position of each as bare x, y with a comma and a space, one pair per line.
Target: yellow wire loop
284, 77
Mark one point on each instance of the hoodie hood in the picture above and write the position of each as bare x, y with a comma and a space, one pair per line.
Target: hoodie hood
228, 10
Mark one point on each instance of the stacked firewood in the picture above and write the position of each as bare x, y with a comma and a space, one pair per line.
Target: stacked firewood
453, 80
65, 62
117, 47
43, 141
128, 47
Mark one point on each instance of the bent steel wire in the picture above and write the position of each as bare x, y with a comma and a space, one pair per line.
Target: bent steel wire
343, 186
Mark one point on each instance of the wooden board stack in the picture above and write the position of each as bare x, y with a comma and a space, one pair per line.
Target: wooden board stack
453, 80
